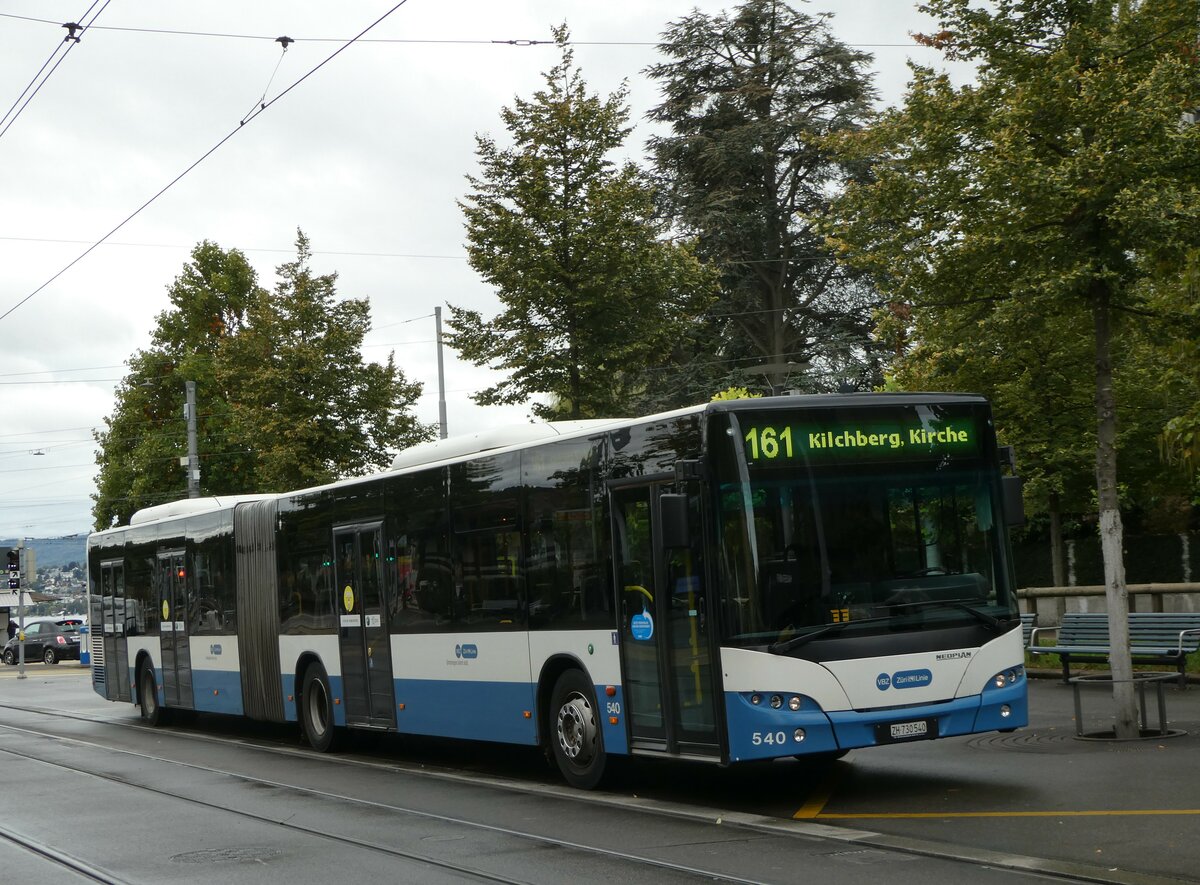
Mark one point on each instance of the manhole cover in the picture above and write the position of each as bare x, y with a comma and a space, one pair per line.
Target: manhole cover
871, 856
227, 855
1027, 742
1146, 734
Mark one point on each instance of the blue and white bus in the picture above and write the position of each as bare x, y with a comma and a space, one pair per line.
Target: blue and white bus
741, 580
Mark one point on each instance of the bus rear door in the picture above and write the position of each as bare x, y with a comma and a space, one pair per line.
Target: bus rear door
112, 631
668, 679
363, 630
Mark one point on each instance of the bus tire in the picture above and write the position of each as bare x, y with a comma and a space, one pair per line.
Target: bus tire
50, 656
574, 732
153, 713
316, 709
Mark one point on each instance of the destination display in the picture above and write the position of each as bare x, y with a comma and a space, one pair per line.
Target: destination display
906, 438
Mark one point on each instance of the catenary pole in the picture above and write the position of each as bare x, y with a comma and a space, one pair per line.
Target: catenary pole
193, 460
437, 318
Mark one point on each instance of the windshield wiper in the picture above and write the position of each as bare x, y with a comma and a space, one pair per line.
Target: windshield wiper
998, 626
787, 645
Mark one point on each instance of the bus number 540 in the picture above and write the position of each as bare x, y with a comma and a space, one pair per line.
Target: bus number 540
771, 738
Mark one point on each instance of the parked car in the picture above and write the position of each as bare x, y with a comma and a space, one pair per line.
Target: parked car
49, 640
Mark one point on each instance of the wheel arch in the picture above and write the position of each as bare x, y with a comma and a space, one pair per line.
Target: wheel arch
552, 668
143, 656
303, 662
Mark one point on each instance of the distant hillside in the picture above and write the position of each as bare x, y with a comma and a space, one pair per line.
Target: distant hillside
52, 552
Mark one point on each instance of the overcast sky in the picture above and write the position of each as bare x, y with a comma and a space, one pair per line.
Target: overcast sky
367, 156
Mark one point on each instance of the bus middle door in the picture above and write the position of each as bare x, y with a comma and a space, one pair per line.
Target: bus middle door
669, 684
173, 630
364, 641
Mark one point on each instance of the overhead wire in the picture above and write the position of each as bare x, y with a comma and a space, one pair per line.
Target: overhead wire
419, 40
70, 42
241, 124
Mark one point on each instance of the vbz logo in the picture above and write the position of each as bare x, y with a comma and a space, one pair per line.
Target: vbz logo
883, 682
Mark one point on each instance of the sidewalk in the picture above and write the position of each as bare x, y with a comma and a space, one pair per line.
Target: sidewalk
38, 669
1042, 792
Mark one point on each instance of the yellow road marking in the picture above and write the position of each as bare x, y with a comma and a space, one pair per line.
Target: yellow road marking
820, 796
925, 815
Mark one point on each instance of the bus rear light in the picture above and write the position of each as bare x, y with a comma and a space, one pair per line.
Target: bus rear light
613, 720
798, 735
776, 702
610, 691
528, 715
794, 703
399, 706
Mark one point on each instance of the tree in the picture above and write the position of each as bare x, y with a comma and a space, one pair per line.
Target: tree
138, 451
1180, 299
1050, 190
751, 98
593, 298
285, 399
306, 403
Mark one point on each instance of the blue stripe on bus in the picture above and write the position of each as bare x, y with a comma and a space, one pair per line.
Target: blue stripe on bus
488, 711
217, 691
483, 711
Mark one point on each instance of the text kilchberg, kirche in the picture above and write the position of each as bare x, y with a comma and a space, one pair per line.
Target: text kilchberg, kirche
857, 439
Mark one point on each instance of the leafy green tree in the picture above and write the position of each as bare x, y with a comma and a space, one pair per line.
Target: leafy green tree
306, 404
1050, 190
1180, 300
751, 98
284, 397
139, 449
594, 299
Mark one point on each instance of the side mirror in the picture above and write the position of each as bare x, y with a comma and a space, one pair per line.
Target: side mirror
1014, 499
673, 511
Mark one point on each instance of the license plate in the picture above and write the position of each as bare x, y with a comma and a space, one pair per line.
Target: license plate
906, 731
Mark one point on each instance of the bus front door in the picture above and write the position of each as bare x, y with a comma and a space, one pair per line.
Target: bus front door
362, 627
173, 630
669, 685
112, 631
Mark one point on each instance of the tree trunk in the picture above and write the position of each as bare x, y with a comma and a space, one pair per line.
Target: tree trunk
1057, 568
1125, 717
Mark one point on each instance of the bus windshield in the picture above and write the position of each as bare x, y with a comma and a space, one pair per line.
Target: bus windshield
875, 540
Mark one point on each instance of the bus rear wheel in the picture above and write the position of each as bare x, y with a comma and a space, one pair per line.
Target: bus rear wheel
574, 732
316, 709
152, 711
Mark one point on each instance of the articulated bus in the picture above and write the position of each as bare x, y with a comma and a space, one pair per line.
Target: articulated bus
743, 580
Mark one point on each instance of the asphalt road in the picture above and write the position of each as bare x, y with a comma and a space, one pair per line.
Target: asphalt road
214, 796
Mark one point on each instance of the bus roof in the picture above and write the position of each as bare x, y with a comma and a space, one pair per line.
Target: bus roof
190, 507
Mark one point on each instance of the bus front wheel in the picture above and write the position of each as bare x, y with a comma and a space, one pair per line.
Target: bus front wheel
573, 728
316, 709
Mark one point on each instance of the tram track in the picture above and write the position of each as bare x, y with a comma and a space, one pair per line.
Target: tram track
390, 851
47, 852
1049, 870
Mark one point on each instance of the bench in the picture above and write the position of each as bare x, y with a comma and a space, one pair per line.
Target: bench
1154, 638
1028, 622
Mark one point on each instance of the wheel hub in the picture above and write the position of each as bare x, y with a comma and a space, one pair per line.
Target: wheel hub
577, 729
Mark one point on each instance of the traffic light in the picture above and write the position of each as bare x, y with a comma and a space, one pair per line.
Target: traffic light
14, 568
